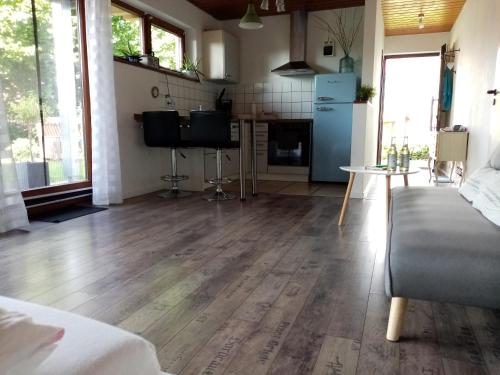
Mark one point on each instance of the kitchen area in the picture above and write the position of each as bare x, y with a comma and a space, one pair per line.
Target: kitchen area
282, 77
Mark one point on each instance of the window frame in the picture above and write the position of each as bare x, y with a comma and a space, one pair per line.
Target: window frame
149, 20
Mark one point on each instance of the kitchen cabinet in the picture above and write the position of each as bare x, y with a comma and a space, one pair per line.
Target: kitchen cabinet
221, 56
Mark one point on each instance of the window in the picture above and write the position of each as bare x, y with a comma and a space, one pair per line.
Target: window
167, 47
137, 33
42, 73
127, 32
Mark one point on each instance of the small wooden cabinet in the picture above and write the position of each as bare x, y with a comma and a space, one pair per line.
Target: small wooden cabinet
449, 147
221, 56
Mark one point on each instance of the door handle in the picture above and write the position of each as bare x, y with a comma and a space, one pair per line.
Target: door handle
493, 92
324, 109
324, 98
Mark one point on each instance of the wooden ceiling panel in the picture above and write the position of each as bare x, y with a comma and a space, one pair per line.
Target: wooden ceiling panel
233, 9
401, 16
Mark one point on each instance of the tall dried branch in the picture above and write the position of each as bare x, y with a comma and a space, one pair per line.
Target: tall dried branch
344, 29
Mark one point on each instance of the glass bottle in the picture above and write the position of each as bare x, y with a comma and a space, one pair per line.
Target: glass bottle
404, 157
392, 156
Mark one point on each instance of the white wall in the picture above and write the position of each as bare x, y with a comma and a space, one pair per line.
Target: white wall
265, 49
476, 33
365, 125
418, 43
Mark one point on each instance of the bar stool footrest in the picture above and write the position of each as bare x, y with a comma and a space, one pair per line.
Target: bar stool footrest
219, 181
170, 178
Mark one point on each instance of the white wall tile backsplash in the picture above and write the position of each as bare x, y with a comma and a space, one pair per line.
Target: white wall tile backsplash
286, 98
187, 95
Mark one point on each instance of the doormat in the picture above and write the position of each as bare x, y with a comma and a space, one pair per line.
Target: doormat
68, 213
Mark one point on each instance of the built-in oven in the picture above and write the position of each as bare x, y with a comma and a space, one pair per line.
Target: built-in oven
289, 143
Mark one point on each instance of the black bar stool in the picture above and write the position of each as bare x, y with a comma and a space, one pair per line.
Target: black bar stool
212, 129
163, 129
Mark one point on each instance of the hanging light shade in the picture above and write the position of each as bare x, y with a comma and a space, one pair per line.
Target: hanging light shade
251, 20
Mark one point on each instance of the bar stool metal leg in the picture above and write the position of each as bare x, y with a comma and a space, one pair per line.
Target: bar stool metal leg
174, 180
218, 181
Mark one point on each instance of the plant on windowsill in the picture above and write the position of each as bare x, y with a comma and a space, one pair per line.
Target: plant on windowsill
365, 94
131, 54
190, 68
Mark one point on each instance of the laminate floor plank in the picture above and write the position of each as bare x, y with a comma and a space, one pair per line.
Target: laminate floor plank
268, 286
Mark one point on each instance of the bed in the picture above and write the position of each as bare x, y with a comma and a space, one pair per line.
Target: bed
89, 347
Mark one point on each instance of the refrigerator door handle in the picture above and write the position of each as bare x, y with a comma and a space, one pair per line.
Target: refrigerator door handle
324, 109
325, 98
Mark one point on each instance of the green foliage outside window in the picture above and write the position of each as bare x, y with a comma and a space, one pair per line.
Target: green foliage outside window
165, 47
126, 35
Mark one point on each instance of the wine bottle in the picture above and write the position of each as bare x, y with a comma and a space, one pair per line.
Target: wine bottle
392, 156
404, 157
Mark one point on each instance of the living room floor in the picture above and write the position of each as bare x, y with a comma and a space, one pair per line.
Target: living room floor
272, 285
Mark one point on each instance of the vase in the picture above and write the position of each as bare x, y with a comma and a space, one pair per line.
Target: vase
346, 64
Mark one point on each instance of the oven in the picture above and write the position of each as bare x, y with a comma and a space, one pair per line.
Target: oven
289, 143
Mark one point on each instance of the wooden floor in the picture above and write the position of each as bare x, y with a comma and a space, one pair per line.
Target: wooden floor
270, 286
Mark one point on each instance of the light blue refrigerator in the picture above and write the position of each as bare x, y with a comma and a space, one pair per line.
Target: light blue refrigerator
332, 127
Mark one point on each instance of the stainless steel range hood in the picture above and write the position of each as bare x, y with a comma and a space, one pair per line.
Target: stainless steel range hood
298, 37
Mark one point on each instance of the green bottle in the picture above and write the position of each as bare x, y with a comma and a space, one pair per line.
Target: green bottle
404, 157
392, 156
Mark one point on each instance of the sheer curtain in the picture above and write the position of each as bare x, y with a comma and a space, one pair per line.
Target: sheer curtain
12, 210
106, 172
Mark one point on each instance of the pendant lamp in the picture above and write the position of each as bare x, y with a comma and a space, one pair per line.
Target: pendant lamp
251, 20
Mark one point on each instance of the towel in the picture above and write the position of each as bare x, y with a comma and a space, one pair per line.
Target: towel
447, 89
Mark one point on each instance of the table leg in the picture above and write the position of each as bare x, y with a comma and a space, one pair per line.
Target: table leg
254, 158
388, 194
243, 171
352, 175
405, 177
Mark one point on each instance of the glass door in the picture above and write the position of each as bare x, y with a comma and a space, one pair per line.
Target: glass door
41, 74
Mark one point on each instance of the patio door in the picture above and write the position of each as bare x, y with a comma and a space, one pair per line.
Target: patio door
44, 90
410, 103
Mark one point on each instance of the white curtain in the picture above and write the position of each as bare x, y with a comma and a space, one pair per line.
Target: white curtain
12, 210
106, 172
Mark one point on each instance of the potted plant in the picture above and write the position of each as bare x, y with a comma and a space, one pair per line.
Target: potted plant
190, 68
366, 93
132, 54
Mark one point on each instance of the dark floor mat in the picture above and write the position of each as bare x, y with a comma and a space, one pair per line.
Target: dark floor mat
68, 213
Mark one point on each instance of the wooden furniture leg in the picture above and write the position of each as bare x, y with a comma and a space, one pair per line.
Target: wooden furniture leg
463, 174
388, 194
405, 177
436, 166
430, 168
396, 318
352, 175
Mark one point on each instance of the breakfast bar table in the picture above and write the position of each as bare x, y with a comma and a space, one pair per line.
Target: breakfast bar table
354, 170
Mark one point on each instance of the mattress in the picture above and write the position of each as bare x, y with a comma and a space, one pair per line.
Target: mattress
89, 347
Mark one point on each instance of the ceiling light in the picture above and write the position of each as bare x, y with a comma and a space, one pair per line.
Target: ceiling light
421, 21
251, 20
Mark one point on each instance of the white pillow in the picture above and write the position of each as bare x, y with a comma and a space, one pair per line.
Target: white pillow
488, 199
470, 188
22, 341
